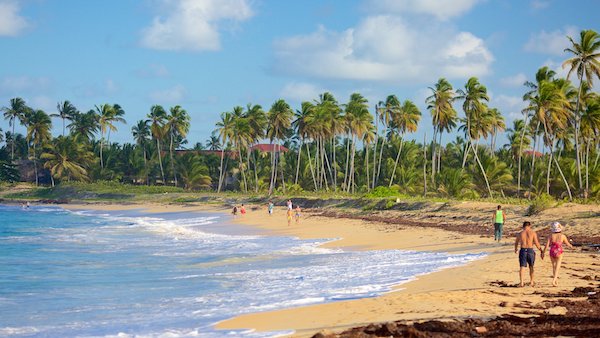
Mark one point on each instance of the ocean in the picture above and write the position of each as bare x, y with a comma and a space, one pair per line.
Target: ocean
133, 274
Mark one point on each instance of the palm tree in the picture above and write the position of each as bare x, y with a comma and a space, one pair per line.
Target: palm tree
226, 131
473, 95
328, 110
141, 135
586, 62
590, 130
213, 143
386, 110
406, 120
443, 116
108, 115
280, 119
158, 117
497, 124
84, 126
16, 111
257, 121
359, 121
518, 136
38, 133
66, 111
302, 129
177, 125
65, 157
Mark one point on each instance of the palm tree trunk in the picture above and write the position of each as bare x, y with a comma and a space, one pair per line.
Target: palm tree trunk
101, 144
433, 155
533, 156
367, 166
63, 134
425, 165
398, 159
324, 163
282, 168
577, 126
240, 165
52, 180
12, 143
35, 164
298, 161
587, 169
333, 162
162, 171
549, 167
381, 156
520, 157
564, 179
146, 166
255, 171
439, 156
347, 163
376, 143
352, 179
221, 170
312, 172
487, 183
172, 160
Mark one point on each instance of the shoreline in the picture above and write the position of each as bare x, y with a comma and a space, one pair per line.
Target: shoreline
475, 290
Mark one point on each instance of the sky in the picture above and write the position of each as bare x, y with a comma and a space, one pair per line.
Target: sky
211, 55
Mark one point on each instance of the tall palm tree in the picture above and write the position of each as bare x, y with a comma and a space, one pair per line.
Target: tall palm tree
359, 121
158, 117
177, 125
497, 125
302, 129
141, 135
590, 130
328, 109
474, 96
257, 122
386, 110
84, 126
406, 120
38, 133
108, 115
17, 111
213, 143
585, 61
443, 116
66, 111
65, 157
226, 131
280, 120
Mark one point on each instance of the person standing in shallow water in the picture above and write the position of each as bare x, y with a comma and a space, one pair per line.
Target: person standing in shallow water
527, 238
499, 219
555, 244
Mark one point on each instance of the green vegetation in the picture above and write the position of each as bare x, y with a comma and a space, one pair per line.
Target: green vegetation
331, 149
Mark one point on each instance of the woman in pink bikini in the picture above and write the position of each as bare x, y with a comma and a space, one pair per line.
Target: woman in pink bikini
555, 243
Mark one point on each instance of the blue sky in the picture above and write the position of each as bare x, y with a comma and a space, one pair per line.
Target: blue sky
211, 55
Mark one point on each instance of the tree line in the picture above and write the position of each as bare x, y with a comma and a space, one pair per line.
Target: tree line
325, 145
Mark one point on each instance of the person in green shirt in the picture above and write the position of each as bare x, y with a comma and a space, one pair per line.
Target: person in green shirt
499, 219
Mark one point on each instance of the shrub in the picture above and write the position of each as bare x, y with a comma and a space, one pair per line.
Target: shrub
539, 204
379, 192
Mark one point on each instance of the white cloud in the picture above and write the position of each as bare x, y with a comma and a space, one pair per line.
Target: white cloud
193, 24
539, 4
553, 42
300, 91
510, 106
170, 95
441, 9
18, 85
559, 70
384, 48
11, 22
516, 80
108, 87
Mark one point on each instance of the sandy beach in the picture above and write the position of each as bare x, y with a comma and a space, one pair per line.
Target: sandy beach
485, 288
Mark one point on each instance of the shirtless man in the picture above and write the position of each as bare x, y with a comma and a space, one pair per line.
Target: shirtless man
527, 238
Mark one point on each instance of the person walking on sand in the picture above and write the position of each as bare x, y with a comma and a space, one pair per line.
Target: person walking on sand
234, 211
270, 208
555, 243
297, 215
290, 206
289, 216
499, 219
243, 210
527, 238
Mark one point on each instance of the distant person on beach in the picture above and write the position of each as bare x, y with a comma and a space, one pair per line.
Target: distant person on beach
270, 207
555, 243
242, 210
28, 204
499, 219
290, 206
289, 216
297, 215
234, 211
527, 238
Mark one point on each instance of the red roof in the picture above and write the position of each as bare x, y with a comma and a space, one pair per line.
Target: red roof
269, 148
531, 152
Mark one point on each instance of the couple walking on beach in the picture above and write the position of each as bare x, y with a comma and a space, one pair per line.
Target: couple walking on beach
527, 238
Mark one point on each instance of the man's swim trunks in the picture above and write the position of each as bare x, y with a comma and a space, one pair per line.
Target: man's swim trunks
526, 257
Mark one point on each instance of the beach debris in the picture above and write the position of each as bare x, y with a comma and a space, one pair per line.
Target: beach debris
480, 329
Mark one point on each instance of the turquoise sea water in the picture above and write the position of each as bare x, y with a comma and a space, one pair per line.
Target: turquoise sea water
126, 274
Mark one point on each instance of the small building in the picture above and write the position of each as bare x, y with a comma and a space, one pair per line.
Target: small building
532, 153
